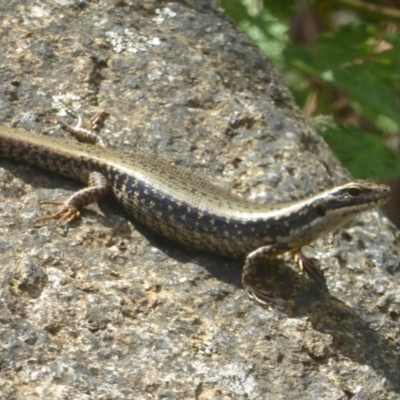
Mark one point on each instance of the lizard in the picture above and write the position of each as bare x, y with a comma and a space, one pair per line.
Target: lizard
177, 204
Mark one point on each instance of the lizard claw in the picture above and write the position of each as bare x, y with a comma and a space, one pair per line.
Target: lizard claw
309, 265
260, 297
67, 213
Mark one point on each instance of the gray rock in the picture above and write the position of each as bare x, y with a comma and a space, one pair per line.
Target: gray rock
107, 310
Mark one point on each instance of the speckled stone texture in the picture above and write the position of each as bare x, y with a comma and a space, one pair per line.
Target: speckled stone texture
107, 310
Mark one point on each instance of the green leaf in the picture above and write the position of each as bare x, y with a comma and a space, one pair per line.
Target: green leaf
363, 153
338, 48
368, 94
347, 59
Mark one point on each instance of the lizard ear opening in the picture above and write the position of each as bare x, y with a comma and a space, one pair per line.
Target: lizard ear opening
320, 210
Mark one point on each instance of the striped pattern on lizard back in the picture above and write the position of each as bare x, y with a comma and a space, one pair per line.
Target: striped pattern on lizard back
164, 197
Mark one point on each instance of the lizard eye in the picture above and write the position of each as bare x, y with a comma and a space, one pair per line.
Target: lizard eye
354, 192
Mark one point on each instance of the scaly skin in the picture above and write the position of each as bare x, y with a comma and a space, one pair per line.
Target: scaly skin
177, 204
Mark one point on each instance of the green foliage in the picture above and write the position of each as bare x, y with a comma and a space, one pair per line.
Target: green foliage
363, 153
267, 30
346, 59
359, 62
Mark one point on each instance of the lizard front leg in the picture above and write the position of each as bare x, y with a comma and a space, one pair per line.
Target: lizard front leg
250, 269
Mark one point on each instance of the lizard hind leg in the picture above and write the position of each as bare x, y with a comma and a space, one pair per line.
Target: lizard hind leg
67, 212
83, 134
71, 208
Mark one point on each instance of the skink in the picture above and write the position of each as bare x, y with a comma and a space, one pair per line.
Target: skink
181, 206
